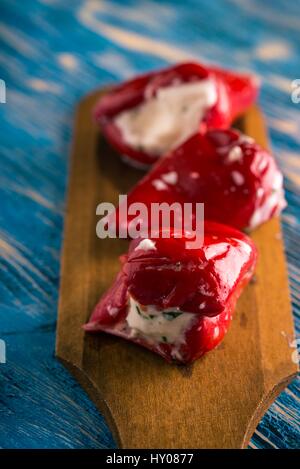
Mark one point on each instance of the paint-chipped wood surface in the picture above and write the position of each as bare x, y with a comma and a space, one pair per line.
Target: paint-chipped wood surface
218, 401
52, 53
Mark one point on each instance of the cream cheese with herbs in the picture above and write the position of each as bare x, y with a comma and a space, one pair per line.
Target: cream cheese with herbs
167, 326
166, 120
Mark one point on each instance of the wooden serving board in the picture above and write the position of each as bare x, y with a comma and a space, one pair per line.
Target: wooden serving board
218, 401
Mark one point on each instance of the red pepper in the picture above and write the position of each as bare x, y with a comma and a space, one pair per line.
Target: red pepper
234, 94
237, 180
204, 283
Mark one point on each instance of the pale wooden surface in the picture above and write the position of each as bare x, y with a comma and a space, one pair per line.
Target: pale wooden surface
218, 401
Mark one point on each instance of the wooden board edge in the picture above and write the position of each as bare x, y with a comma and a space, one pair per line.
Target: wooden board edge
264, 405
94, 392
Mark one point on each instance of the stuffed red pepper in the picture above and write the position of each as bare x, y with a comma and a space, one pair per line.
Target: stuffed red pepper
152, 114
236, 179
175, 301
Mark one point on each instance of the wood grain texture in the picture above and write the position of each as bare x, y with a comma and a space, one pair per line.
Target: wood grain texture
214, 403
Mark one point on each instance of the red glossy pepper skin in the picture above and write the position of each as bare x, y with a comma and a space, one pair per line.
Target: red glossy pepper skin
235, 93
237, 180
205, 282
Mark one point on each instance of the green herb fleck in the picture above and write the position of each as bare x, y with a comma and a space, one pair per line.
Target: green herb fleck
171, 315
144, 315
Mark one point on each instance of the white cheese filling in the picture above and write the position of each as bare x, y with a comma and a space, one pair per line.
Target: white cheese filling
146, 245
166, 120
167, 326
275, 199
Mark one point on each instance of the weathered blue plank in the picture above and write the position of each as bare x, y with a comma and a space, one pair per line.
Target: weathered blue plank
53, 52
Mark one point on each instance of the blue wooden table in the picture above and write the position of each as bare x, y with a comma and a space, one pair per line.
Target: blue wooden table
52, 53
